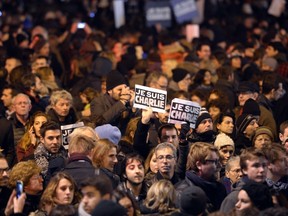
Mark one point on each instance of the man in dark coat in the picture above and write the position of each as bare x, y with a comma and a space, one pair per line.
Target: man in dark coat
114, 107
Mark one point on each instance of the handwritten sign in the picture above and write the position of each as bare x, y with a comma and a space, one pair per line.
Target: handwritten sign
145, 97
184, 111
68, 129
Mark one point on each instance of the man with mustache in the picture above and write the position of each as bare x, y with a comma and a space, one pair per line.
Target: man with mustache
50, 147
4, 177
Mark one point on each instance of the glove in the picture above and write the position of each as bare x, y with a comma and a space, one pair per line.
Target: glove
185, 128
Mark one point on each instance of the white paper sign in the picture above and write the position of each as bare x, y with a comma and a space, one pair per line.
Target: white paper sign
145, 97
182, 111
277, 7
68, 129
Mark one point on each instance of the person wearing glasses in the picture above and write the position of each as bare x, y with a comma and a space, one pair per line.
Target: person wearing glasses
4, 177
202, 171
166, 157
232, 173
253, 164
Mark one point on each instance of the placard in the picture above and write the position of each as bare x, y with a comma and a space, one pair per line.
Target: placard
158, 12
146, 97
182, 111
68, 129
184, 10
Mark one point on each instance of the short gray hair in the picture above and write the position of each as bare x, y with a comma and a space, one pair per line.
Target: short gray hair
166, 145
60, 94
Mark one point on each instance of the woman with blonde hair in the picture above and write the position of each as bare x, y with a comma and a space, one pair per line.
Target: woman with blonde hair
160, 199
30, 140
61, 190
104, 157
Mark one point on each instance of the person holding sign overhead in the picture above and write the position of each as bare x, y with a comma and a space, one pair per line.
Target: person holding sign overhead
114, 107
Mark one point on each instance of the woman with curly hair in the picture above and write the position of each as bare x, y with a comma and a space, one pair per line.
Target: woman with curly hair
31, 139
29, 173
61, 190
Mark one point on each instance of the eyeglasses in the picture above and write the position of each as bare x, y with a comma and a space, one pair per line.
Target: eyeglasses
36, 177
2, 170
216, 162
167, 157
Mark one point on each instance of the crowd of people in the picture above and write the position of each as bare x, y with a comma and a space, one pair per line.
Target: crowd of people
64, 62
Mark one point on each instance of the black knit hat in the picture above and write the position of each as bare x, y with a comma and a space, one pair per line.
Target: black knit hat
179, 74
114, 78
259, 194
243, 121
251, 107
193, 201
204, 114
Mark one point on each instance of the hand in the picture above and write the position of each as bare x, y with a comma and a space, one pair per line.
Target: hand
10, 206
32, 135
185, 128
147, 115
19, 203
132, 93
74, 28
125, 95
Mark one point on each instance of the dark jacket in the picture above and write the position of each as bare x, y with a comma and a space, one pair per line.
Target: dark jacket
115, 179
229, 202
214, 190
7, 140
79, 167
106, 110
174, 180
71, 118
242, 142
31, 203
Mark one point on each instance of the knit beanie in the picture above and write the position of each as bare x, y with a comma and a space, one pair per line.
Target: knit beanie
251, 107
204, 114
263, 130
179, 74
109, 132
223, 140
259, 194
243, 121
114, 78
193, 201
